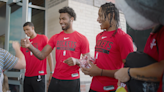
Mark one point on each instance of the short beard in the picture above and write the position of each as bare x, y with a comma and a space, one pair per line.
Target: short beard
67, 27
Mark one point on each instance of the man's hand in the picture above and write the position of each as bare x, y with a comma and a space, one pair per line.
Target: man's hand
71, 61
122, 75
16, 45
92, 71
25, 43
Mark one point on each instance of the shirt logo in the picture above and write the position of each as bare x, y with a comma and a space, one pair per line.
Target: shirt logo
152, 44
104, 37
75, 75
65, 38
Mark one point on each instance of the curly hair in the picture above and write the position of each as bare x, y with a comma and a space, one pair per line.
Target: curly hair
68, 10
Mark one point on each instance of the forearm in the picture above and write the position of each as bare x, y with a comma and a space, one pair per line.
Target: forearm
108, 73
19, 54
37, 53
152, 72
50, 62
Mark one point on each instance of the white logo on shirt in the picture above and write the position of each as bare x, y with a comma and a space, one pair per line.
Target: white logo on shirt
75, 75
104, 37
65, 38
152, 44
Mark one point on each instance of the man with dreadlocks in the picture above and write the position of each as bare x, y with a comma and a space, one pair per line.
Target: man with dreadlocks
112, 47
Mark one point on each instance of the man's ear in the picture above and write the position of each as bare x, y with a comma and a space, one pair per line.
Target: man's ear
72, 19
32, 28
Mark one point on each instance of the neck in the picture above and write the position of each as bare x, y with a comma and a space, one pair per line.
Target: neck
33, 36
111, 28
70, 30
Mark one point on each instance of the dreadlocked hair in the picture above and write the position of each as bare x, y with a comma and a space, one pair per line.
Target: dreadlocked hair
110, 8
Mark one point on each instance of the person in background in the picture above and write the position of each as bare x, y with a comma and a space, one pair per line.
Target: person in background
36, 69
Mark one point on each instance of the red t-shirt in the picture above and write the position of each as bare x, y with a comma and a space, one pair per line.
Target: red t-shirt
109, 53
151, 49
34, 66
68, 45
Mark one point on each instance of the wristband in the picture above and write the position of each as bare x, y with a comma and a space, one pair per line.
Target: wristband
101, 72
52, 72
129, 73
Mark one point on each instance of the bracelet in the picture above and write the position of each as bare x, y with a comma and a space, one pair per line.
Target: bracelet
101, 72
129, 73
52, 72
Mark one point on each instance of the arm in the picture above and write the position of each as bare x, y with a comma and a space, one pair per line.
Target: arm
39, 54
21, 59
96, 71
51, 65
74, 61
151, 72
50, 62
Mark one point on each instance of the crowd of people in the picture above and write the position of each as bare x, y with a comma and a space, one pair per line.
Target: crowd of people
112, 47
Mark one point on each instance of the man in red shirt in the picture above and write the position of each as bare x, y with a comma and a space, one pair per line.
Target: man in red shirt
112, 47
36, 69
69, 45
141, 15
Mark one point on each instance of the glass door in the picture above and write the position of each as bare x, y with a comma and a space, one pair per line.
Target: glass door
15, 33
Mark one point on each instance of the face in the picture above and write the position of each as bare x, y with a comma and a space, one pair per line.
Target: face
104, 23
65, 21
28, 30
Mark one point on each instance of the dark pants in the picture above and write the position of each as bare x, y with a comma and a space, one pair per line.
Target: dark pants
57, 85
34, 84
96, 91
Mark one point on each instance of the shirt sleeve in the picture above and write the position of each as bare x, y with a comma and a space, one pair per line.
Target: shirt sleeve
9, 60
85, 46
52, 41
125, 45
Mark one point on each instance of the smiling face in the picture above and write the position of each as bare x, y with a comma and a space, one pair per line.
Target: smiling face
104, 22
65, 21
28, 30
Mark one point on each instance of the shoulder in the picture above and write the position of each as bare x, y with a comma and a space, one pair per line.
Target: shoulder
3, 51
99, 34
41, 36
56, 35
121, 33
79, 35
